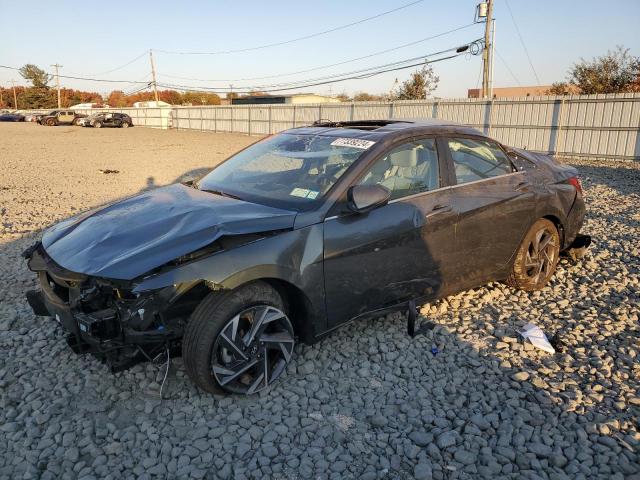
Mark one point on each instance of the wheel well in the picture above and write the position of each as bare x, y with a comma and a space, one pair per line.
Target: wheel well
556, 221
298, 305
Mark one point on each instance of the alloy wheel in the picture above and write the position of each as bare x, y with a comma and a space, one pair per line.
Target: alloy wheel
541, 255
252, 349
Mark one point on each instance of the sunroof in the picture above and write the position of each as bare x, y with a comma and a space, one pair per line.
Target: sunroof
356, 124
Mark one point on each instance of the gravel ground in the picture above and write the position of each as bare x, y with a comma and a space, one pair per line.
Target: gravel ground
367, 402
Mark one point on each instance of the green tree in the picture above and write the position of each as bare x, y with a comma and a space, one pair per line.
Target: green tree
38, 77
419, 85
616, 72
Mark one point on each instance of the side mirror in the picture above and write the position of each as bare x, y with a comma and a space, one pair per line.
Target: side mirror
364, 198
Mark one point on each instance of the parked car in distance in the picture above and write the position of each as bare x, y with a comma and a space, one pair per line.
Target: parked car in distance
32, 117
298, 234
12, 117
60, 117
107, 119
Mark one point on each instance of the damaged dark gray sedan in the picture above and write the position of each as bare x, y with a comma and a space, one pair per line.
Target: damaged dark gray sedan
297, 235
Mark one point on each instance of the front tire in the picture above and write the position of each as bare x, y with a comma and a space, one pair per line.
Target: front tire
51, 122
124, 125
97, 125
239, 341
537, 257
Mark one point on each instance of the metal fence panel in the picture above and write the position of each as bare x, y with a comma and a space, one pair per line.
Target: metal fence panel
604, 126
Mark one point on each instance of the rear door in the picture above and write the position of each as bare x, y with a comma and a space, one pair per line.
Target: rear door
495, 205
396, 252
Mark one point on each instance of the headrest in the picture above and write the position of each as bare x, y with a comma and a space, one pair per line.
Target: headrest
404, 158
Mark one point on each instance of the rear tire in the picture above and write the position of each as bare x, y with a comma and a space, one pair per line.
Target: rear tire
51, 122
124, 125
238, 341
537, 257
97, 125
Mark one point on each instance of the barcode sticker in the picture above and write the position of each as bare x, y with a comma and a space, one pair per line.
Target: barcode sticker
353, 142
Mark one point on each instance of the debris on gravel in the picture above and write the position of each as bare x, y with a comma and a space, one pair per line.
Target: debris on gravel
366, 402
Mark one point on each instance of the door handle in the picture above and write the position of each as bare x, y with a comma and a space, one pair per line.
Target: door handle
522, 186
438, 209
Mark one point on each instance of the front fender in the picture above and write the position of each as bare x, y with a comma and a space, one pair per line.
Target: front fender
295, 257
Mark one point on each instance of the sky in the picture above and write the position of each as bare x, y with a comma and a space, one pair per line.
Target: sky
90, 39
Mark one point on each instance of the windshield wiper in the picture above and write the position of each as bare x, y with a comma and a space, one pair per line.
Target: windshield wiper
221, 193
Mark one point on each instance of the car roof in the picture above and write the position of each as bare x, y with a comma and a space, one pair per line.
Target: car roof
382, 128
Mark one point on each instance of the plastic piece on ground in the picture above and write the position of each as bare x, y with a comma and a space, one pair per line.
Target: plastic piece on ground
537, 337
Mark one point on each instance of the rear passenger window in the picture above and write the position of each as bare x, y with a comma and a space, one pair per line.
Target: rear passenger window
477, 159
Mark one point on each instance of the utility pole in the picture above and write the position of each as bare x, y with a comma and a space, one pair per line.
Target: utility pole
486, 59
153, 75
56, 66
231, 94
15, 98
492, 56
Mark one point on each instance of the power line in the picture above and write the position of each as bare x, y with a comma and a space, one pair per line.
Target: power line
88, 79
122, 66
473, 46
426, 62
372, 72
504, 62
137, 90
374, 54
305, 37
306, 82
524, 46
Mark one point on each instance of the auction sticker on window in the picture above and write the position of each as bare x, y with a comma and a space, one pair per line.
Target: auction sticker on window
304, 193
353, 142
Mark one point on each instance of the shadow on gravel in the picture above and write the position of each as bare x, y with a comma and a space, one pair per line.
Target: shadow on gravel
366, 402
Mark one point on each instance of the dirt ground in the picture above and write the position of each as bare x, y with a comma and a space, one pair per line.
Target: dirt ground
54, 170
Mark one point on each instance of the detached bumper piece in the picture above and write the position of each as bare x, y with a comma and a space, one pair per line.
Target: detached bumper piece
411, 321
96, 320
578, 247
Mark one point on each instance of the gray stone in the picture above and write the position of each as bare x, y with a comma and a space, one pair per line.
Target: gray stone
423, 471
447, 439
421, 438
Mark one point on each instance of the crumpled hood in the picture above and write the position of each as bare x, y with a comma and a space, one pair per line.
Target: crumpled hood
136, 235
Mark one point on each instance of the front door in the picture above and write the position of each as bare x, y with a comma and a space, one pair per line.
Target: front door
396, 252
495, 205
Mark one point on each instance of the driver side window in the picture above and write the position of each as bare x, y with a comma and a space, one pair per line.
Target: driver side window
406, 170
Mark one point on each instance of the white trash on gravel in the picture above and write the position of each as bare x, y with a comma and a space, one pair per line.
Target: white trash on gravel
537, 337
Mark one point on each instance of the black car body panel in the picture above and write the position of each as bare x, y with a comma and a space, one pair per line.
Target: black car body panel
148, 260
139, 234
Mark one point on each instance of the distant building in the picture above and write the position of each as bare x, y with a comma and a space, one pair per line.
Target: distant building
503, 92
295, 98
151, 104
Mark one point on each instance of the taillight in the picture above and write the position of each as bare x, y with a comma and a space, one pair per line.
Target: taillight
576, 183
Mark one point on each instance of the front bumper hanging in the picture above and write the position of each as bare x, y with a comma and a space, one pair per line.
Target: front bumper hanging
122, 332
